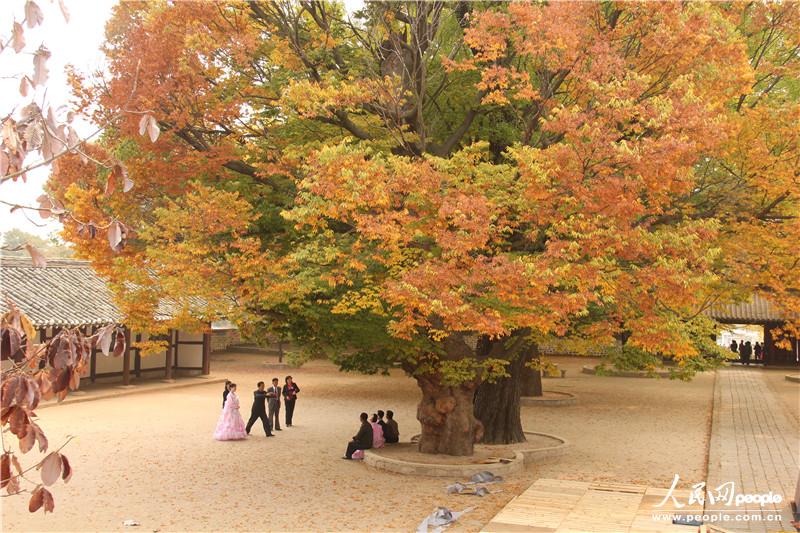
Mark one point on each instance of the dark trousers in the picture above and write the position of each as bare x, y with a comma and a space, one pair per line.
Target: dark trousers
392, 440
255, 415
274, 414
352, 446
289, 411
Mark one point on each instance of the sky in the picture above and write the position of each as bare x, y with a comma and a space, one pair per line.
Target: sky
77, 42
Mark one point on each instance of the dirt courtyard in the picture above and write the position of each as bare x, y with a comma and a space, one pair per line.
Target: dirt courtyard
150, 457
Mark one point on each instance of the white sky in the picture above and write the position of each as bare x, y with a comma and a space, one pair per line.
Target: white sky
76, 42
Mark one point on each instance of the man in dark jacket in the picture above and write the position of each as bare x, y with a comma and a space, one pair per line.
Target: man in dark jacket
274, 403
391, 433
259, 410
362, 440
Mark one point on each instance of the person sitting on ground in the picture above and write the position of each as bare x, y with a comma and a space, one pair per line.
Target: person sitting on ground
362, 440
377, 432
381, 421
391, 433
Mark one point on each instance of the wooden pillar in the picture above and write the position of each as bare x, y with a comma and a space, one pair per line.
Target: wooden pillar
206, 354
126, 358
137, 361
177, 347
168, 363
93, 360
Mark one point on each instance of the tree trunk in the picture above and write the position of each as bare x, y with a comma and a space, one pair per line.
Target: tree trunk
445, 411
532, 377
448, 423
497, 406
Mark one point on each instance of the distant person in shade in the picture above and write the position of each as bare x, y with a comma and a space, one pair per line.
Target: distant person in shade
390, 430
734, 347
225, 392
381, 421
290, 390
745, 352
362, 440
758, 351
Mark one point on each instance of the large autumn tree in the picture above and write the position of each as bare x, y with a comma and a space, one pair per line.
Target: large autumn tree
444, 184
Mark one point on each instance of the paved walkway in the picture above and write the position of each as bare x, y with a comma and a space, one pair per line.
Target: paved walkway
754, 444
559, 506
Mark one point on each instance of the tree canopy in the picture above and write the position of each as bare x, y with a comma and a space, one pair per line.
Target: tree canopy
430, 182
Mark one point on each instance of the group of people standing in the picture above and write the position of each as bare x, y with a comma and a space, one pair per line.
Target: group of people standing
747, 350
374, 432
231, 425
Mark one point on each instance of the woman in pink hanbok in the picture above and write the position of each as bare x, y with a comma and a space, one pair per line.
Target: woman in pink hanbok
231, 424
377, 432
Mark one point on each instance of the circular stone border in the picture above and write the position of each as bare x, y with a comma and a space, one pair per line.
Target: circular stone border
568, 399
793, 377
588, 369
522, 458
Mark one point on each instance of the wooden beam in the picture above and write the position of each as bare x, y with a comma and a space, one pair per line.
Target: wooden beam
206, 354
177, 346
126, 358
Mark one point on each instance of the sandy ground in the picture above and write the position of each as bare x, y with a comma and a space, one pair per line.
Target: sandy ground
150, 457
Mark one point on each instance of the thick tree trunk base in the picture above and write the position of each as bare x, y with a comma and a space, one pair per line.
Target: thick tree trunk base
448, 424
497, 406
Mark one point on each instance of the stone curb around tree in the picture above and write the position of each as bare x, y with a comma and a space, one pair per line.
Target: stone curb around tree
567, 399
588, 369
123, 390
522, 458
795, 378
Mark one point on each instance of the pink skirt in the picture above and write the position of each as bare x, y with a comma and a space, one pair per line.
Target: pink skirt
230, 426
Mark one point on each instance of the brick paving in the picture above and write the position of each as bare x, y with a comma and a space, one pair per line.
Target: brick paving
756, 445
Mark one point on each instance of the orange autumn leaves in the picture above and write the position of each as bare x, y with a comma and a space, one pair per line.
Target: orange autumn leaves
647, 155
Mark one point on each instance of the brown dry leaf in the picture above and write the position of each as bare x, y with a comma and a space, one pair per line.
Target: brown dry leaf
33, 14
51, 468
40, 70
66, 469
49, 502
24, 86
64, 10
5, 469
37, 499
18, 36
119, 345
26, 443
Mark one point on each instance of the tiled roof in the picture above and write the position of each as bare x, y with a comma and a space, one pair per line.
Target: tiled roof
758, 309
65, 293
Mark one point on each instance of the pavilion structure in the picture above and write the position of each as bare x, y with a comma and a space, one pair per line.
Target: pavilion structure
70, 294
758, 311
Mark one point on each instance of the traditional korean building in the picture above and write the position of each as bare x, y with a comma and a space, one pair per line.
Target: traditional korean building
760, 312
69, 293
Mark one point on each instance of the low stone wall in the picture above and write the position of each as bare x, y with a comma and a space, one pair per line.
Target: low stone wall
522, 458
375, 460
565, 398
